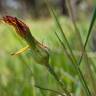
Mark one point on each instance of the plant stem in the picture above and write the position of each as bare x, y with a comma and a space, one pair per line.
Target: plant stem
51, 70
47, 89
87, 60
79, 73
52, 12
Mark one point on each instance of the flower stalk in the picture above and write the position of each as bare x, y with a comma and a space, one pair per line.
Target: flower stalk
40, 53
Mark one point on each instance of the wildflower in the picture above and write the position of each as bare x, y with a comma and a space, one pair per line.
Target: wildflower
39, 51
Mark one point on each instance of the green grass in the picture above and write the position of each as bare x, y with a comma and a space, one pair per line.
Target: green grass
18, 74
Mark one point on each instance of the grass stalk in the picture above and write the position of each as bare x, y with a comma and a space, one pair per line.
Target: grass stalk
47, 89
88, 93
52, 12
87, 60
89, 33
42, 88
51, 70
84, 84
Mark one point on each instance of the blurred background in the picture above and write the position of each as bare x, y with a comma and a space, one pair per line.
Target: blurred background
38, 9
18, 74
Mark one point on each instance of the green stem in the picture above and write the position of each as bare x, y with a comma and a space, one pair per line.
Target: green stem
47, 89
89, 32
51, 70
78, 72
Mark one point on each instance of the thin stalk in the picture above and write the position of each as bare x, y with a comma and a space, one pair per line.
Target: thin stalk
84, 84
47, 89
59, 26
74, 61
51, 70
89, 33
68, 54
69, 5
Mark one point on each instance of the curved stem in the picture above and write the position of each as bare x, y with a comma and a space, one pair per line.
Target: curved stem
51, 70
47, 89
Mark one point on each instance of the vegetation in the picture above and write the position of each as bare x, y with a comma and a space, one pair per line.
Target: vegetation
69, 58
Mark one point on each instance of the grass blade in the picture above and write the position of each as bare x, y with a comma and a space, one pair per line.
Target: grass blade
47, 89
51, 10
86, 59
89, 32
84, 84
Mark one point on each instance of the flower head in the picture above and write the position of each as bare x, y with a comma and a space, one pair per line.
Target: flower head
39, 51
21, 28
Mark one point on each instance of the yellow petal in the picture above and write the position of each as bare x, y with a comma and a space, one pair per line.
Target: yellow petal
21, 50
